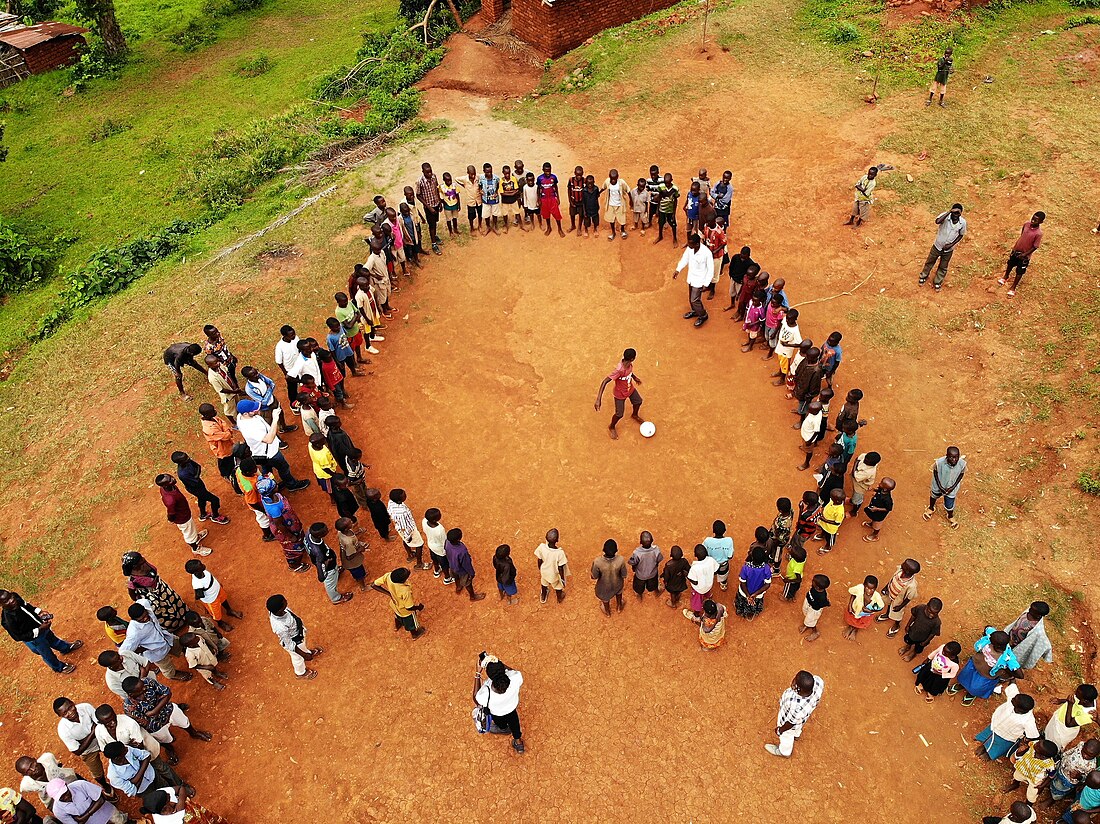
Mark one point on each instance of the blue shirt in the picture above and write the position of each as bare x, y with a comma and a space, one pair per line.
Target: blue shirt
339, 346
489, 189
720, 549
723, 197
261, 390
838, 356
190, 476
122, 776
692, 205
768, 298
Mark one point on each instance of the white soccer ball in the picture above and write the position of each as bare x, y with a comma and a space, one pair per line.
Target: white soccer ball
647, 429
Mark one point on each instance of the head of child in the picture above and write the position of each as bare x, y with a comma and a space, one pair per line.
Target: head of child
629, 355
1085, 695
805, 347
502, 552
341, 299
870, 584
333, 422
836, 497
783, 506
324, 356
324, 403
610, 548
825, 396
645, 539
952, 649
886, 485
758, 556
676, 553
813, 354
854, 396
700, 552
1038, 610
195, 566
471, 170
641, 184
933, 607
192, 619
409, 194
340, 481
819, 582
849, 427
454, 536
391, 216
207, 411
719, 529
276, 605
165, 481
792, 314
433, 516
189, 640
762, 534
374, 494
834, 339
797, 553
400, 575
810, 499
333, 324
552, 537
1023, 704
758, 296
318, 531
590, 182
345, 526
872, 459
530, 178
998, 641
814, 407
355, 453
106, 614
546, 168
398, 496
506, 171
405, 210
695, 188
447, 178
710, 609
317, 442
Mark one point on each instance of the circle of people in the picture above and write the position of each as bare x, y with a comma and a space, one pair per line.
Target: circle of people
159, 628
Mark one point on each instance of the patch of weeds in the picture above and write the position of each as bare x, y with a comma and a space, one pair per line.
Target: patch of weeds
1082, 20
199, 32
109, 127
255, 66
159, 148
1089, 481
1029, 462
1042, 398
889, 324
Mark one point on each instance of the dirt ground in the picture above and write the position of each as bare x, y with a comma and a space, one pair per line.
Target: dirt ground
481, 405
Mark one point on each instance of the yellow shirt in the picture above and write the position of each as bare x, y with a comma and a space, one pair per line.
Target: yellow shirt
834, 513
322, 461
861, 609
402, 595
117, 636
794, 568
1081, 715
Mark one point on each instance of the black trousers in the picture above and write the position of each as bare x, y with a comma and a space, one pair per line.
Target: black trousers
509, 722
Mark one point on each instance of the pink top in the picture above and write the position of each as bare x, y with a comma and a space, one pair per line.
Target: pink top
941, 664
774, 315
398, 235
1030, 238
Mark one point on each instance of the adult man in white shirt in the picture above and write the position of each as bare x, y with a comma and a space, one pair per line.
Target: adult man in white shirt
952, 228
263, 439
291, 632
112, 726
120, 665
700, 265
76, 729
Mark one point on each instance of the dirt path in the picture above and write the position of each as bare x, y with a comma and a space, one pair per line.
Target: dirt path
481, 404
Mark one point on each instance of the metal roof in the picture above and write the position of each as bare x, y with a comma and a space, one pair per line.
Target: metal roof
28, 37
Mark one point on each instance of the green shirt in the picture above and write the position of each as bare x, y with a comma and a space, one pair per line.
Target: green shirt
669, 196
346, 316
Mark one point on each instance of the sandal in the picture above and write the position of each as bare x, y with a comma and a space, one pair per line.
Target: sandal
929, 699
970, 699
953, 689
890, 633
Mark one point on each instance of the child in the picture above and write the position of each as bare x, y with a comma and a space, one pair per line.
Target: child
410, 229
351, 551
863, 602
505, 571
334, 378
755, 581
341, 348
780, 534
449, 194
774, 314
760, 539
675, 576
346, 505
809, 510
395, 585
207, 630
357, 475
701, 577
864, 474
792, 577
639, 202
435, 535
809, 430
394, 232
114, 626
210, 593
462, 565
349, 315
755, 315
924, 625
882, 502
324, 412
473, 197
307, 385
831, 355
201, 658
324, 465
590, 197
848, 439
311, 425
531, 200
1035, 763
691, 207
824, 398
936, 673
402, 518
416, 235
832, 516
379, 514
817, 598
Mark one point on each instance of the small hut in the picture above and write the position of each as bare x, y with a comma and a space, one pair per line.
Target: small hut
27, 50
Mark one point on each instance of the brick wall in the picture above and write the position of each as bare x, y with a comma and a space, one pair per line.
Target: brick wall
53, 54
554, 31
492, 10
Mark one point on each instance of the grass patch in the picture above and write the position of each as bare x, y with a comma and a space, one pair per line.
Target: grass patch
255, 66
887, 324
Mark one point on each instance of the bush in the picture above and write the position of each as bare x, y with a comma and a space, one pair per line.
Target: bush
1089, 482
1082, 20
397, 60
22, 261
109, 271
94, 63
844, 32
108, 128
198, 32
255, 66
1085, 4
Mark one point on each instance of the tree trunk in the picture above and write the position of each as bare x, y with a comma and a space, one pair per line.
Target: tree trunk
109, 29
454, 10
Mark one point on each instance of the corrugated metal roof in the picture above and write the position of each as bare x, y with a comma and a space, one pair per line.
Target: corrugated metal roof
29, 36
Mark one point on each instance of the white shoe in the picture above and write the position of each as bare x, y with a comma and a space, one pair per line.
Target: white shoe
774, 750
378, 339
373, 350
202, 551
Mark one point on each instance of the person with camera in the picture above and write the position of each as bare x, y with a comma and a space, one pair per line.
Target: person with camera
498, 697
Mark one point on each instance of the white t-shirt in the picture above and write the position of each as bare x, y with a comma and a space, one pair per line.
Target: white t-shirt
255, 429
287, 354
72, 734
811, 425
789, 339
306, 366
436, 536
702, 572
501, 703
171, 818
208, 582
615, 191
530, 196
129, 732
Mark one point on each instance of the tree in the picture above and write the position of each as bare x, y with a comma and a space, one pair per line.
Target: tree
3, 148
102, 14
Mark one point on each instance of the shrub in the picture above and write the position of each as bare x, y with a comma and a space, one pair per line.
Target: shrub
198, 32
1089, 482
255, 66
1083, 20
108, 128
844, 32
397, 60
94, 63
1085, 4
23, 262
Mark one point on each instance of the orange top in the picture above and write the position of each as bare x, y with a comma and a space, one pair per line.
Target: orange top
219, 437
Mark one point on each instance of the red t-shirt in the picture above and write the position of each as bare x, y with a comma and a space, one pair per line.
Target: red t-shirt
331, 373
178, 510
1030, 238
624, 379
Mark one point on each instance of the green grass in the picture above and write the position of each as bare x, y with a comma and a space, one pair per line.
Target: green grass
887, 323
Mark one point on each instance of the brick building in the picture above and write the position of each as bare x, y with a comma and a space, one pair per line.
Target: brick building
556, 27
26, 50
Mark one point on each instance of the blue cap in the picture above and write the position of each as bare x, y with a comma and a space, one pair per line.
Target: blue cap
266, 486
247, 405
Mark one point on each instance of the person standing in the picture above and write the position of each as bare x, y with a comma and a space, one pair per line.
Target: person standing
609, 573
623, 390
553, 567
722, 195
263, 440
286, 358
427, 192
952, 228
944, 67
29, 625
665, 204
76, 729
1020, 256
405, 524
549, 199
574, 188
714, 238
618, 198
218, 434
190, 474
504, 570
898, 593
326, 563
82, 802
720, 548
149, 702
146, 636
699, 262
291, 632
227, 392
796, 705
1077, 711
646, 561
878, 508
461, 565
947, 477
865, 188
500, 696
396, 586
179, 513
755, 581
701, 577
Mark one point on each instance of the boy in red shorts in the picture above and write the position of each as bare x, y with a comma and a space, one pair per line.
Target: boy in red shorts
624, 390
548, 198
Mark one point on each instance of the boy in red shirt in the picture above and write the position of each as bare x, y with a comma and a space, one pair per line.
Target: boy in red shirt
334, 378
1020, 256
549, 198
624, 390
